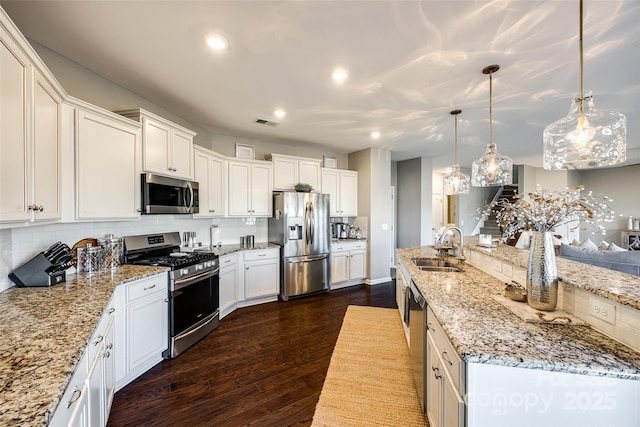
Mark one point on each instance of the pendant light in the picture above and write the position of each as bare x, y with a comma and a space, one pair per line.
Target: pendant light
456, 182
492, 169
586, 138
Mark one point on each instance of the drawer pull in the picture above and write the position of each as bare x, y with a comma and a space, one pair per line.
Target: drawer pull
445, 358
111, 310
98, 340
436, 372
150, 287
74, 397
107, 354
109, 346
430, 327
262, 254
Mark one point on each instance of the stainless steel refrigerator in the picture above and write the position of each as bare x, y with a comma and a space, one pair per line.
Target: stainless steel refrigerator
301, 226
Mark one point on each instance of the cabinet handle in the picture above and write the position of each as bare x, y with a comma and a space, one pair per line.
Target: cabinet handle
74, 397
262, 254
149, 287
430, 327
109, 346
166, 300
212, 210
227, 261
98, 340
436, 372
106, 354
40, 208
445, 358
111, 310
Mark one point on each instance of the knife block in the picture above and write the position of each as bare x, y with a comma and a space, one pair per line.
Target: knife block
37, 272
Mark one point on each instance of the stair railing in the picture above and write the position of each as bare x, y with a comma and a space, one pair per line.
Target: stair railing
484, 216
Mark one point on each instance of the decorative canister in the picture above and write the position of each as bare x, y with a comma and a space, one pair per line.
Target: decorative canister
112, 249
89, 260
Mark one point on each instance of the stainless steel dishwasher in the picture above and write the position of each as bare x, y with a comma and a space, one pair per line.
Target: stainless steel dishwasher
417, 341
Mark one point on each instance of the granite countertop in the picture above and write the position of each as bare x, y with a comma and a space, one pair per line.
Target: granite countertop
484, 331
43, 333
619, 287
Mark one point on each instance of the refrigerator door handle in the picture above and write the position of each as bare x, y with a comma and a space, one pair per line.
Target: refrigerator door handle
307, 259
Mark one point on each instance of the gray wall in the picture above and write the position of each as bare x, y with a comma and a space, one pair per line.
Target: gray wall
408, 200
374, 202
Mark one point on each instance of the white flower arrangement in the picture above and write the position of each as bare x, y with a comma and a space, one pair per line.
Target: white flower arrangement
544, 210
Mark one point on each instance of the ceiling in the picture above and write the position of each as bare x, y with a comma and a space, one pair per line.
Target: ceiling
409, 64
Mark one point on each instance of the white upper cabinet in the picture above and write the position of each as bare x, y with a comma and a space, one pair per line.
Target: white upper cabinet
342, 187
107, 148
250, 187
167, 148
289, 171
211, 175
30, 100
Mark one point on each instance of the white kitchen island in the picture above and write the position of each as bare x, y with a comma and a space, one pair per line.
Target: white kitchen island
488, 367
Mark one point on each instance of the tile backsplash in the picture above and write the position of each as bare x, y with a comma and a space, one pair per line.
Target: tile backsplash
18, 245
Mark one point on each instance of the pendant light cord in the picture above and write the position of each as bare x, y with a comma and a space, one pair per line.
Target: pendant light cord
581, 65
490, 109
455, 140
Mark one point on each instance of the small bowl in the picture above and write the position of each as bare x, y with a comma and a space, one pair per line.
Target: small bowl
515, 293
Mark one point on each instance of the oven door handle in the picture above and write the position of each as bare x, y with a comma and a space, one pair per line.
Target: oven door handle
179, 284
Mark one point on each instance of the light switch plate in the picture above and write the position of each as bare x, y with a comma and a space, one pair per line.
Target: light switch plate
602, 310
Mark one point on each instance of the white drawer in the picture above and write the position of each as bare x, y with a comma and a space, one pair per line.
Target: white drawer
261, 254
228, 260
348, 246
452, 362
147, 287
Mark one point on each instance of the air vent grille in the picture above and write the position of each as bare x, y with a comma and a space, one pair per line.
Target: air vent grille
267, 122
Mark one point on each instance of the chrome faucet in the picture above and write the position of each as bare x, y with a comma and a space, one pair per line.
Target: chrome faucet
459, 252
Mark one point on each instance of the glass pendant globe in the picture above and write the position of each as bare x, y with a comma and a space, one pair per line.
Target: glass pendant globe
587, 139
492, 169
456, 182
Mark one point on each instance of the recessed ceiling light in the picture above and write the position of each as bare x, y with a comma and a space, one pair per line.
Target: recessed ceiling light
279, 113
217, 42
339, 75
375, 134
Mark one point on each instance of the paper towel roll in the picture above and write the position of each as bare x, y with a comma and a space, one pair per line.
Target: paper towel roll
215, 235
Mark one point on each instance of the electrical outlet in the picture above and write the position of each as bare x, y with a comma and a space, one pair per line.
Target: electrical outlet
602, 310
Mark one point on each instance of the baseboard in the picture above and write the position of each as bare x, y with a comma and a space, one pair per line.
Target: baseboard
378, 281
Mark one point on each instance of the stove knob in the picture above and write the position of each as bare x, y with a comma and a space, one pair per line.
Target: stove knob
184, 271
208, 264
199, 267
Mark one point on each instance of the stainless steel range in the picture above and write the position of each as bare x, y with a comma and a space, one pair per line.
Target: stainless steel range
194, 302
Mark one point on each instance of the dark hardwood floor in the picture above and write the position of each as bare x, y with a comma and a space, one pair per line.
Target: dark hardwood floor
263, 366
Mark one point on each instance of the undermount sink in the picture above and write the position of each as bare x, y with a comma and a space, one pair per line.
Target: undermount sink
441, 269
436, 264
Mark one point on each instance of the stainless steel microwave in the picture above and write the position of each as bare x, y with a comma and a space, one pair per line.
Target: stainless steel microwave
164, 195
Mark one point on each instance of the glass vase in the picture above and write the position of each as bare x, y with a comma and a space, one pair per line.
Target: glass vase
542, 272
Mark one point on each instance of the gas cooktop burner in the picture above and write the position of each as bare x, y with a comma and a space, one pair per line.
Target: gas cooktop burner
164, 250
178, 254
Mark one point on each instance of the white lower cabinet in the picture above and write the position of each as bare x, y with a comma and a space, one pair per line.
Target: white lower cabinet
444, 373
261, 273
228, 283
88, 397
143, 330
348, 261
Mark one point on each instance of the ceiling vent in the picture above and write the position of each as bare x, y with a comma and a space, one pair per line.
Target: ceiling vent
267, 122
